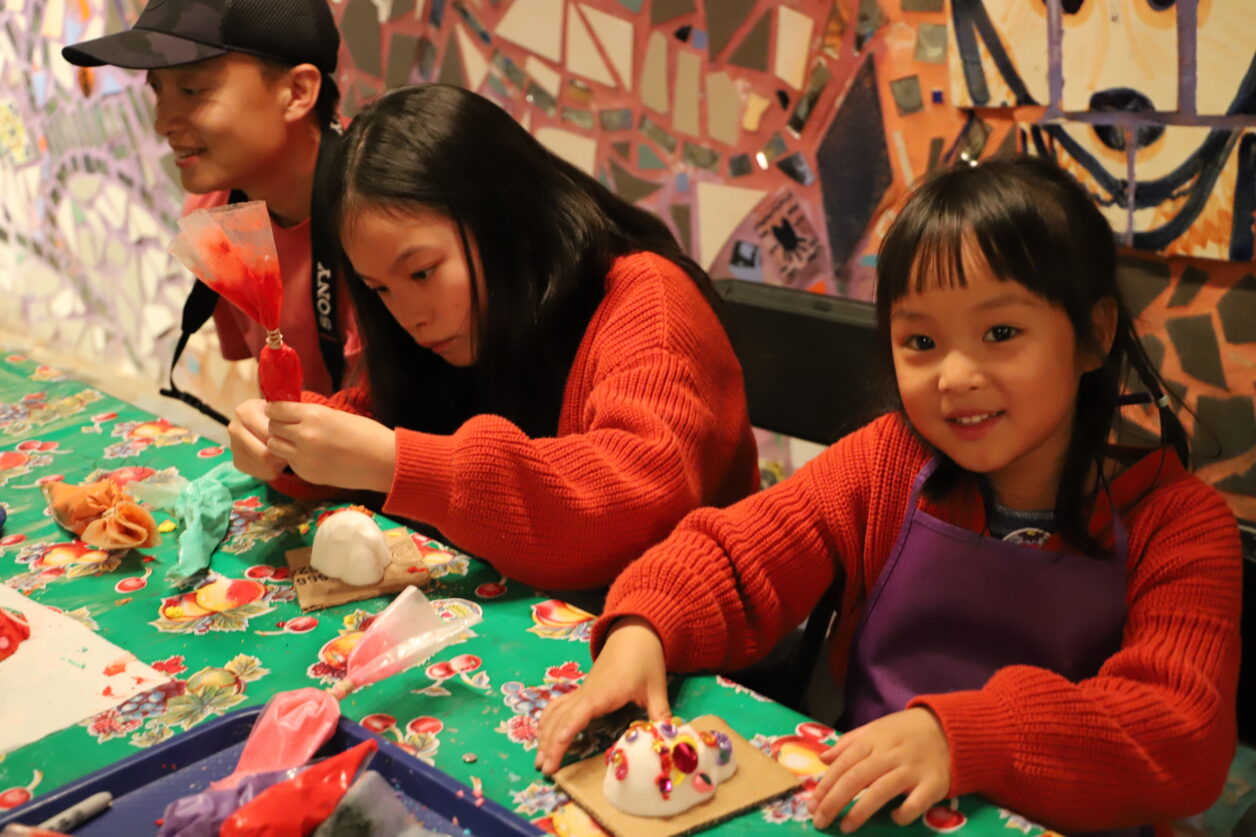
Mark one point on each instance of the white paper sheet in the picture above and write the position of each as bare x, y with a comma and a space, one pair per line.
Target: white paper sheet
62, 675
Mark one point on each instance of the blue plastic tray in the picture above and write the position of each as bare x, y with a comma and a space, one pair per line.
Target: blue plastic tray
143, 784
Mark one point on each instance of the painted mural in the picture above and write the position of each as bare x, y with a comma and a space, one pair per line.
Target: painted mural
775, 137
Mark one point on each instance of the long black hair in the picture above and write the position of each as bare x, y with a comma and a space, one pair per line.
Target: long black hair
1035, 225
546, 235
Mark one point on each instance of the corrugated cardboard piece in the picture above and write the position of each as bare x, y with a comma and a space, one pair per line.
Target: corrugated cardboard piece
316, 591
758, 779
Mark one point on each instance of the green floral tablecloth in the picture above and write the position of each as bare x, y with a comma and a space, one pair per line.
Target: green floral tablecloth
238, 637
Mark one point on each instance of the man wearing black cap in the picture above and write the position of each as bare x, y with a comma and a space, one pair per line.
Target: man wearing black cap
246, 100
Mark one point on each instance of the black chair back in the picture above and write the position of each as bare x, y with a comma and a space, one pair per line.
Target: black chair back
814, 370
813, 364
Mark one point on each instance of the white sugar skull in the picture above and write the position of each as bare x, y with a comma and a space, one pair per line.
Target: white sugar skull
662, 769
349, 546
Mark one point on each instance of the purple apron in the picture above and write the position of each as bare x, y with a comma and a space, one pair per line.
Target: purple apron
951, 607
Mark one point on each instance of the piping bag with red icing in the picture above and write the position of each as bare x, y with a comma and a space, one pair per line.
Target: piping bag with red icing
231, 249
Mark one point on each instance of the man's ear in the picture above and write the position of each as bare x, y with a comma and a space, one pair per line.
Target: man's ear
304, 81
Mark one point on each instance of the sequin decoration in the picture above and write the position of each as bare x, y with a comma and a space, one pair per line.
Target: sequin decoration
617, 758
725, 746
702, 783
686, 757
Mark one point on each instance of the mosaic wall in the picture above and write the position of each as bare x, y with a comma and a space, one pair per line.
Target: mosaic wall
775, 137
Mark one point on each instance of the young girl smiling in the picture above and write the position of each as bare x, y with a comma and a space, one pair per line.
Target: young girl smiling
1029, 612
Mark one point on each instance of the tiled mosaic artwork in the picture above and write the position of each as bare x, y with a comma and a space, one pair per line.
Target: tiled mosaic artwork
774, 136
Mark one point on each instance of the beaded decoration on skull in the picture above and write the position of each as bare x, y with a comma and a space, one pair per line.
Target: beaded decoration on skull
662, 769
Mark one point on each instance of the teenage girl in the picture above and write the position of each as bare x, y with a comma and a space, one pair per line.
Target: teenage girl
548, 384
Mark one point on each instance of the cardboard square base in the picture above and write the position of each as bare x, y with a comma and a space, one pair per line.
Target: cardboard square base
316, 591
757, 780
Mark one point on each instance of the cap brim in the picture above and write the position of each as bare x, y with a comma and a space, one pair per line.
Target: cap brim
139, 49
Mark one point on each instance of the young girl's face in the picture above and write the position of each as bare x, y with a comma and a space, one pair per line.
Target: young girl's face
415, 262
988, 374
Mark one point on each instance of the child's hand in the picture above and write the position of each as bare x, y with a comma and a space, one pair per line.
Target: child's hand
905, 753
249, 434
630, 668
331, 447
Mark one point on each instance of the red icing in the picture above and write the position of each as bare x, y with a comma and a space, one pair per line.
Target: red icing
296, 807
236, 253
279, 374
14, 630
239, 272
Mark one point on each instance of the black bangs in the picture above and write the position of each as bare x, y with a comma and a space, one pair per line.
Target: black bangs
999, 215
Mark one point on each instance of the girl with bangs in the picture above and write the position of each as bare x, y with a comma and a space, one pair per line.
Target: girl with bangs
548, 384
1029, 612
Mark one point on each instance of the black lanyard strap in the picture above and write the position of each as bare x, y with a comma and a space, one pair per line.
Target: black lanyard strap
324, 256
197, 310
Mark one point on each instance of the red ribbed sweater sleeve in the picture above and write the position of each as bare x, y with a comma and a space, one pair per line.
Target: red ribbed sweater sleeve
1147, 740
653, 425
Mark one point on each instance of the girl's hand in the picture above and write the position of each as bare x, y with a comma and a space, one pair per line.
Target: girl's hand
905, 753
630, 668
249, 435
331, 447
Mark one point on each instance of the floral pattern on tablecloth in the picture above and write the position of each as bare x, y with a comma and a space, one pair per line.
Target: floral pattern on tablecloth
236, 636
180, 704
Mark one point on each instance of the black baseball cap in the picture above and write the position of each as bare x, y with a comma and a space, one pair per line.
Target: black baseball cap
173, 32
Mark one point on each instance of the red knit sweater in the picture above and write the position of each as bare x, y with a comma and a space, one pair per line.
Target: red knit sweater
1148, 739
653, 425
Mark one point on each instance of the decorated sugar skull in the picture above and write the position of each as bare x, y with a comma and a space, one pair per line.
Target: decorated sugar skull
662, 769
350, 546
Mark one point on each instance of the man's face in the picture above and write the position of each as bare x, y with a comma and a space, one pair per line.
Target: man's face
224, 120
